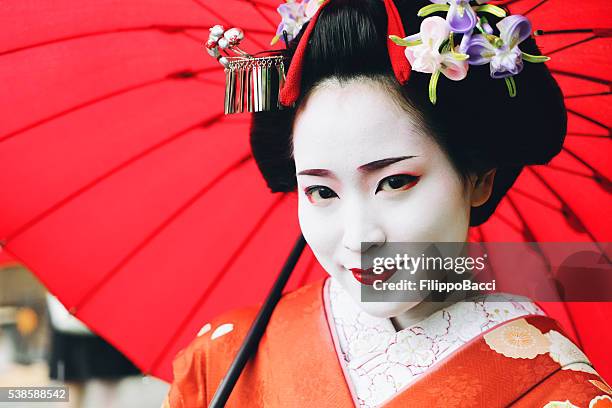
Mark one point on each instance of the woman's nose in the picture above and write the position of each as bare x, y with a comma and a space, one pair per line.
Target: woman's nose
361, 231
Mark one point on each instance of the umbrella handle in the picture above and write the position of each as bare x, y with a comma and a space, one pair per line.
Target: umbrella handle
249, 346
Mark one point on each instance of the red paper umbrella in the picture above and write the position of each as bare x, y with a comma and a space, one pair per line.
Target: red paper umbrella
137, 202
123, 186
569, 199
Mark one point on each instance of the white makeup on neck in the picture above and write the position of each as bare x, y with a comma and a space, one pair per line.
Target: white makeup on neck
367, 172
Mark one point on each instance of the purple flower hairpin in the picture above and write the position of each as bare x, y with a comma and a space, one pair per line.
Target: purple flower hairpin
460, 16
502, 52
433, 49
294, 14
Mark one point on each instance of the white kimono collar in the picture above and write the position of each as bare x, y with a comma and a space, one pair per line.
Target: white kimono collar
380, 361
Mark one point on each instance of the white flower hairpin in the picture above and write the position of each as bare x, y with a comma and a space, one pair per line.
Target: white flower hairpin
220, 39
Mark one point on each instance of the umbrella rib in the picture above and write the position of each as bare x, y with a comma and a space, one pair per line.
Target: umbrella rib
261, 13
537, 199
239, 119
213, 12
582, 161
564, 205
509, 2
588, 95
506, 221
215, 281
263, 4
36, 219
589, 119
591, 135
526, 231
567, 31
569, 171
193, 37
597, 176
209, 81
156, 231
308, 271
534, 7
227, 23
577, 75
574, 44
480, 232
172, 76
169, 29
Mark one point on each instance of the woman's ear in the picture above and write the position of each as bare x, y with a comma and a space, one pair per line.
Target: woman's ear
482, 187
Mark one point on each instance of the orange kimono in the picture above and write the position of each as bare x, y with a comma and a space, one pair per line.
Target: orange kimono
524, 361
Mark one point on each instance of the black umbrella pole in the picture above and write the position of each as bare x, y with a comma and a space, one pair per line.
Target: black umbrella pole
249, 346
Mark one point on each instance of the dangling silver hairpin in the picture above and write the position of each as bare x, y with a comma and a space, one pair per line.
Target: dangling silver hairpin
254, 82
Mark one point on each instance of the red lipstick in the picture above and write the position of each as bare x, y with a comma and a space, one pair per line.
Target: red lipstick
368, 277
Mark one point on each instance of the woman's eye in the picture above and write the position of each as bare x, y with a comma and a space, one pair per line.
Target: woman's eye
399, 182
318, 194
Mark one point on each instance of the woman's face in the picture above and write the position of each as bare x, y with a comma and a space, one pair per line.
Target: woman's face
366, 172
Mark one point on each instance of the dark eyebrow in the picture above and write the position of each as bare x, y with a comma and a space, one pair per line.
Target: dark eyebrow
379, 164
368, 167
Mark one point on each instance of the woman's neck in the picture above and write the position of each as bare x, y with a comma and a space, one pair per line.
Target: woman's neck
428, 307
417, 313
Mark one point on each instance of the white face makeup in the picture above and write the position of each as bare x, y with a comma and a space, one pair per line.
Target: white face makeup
366, 172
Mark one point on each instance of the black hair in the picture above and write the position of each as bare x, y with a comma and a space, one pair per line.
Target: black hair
475, 121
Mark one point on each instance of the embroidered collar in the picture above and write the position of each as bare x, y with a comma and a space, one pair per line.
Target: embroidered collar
380, 361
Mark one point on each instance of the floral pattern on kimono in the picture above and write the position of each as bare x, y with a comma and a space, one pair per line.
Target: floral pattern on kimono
381, 361
297, 363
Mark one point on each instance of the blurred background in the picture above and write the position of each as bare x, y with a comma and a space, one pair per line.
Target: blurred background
42, 344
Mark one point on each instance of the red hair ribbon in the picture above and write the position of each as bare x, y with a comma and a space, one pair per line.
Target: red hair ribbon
401, 67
